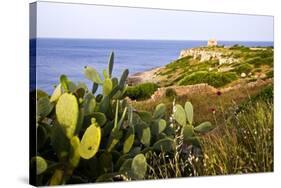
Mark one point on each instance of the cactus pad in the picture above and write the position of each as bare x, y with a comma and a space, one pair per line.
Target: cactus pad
41, 165
203, 127
179, 114
75, 156
139, 166
189, 112
67, 112
90, 141
107, 86
56, 94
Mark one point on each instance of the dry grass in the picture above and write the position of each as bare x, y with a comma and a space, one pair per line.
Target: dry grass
205, 103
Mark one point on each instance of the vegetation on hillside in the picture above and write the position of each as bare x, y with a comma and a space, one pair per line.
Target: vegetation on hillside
141, 91
253, 62
84, 136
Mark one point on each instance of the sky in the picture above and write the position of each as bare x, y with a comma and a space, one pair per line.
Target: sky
58, 20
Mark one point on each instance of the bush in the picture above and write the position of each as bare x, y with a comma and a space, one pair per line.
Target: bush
258, 61
239, 47
216, 79
270, 74
245, 67
170, 93
141, 91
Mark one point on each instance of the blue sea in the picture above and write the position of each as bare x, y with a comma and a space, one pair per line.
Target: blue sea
54, 57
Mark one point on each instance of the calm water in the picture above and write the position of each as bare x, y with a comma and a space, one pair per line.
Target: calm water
68, 56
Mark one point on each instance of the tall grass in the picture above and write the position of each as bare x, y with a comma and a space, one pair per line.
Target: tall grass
243, 145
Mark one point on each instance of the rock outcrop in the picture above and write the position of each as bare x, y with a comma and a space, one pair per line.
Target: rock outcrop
208, 54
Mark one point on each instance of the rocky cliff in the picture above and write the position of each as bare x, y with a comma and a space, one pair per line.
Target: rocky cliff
203, 54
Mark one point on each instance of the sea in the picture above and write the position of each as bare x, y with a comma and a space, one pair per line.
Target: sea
52, 57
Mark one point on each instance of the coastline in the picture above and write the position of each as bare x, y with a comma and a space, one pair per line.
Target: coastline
145, 76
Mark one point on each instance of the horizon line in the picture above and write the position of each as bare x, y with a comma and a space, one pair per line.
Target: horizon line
149, 39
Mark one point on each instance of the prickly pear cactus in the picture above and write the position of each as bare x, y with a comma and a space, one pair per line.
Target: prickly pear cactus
203, 127
112, 138
107, 86
166, 145
41, 165
67, 113
129, 141
90, 141
189, 112
56, 94
139, 166
180, 115
92, 75
74, 155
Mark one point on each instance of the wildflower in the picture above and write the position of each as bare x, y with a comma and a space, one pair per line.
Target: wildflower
218, 93
213, 110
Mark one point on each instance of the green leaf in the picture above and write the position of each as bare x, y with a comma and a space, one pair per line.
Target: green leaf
90, 142
89, 104
189, 112
59, 142
110, 64
187, 132
123, 78
114, 139
139, 166
104, 72
179, 115
104, 105
114, 82
91, 74
161, 125
159, 111
80, 121
126, 165
94, 87
40, 94
165, 144
56, 94
100, 118
146, 136
122, 118
41, 165
44, 107
74, 154
67, 113
203, 127
71, 86
145, 116
63, 82
129, 140
107, 86
57, 177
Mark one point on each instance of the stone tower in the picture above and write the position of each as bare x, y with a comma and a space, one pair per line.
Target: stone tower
212, 42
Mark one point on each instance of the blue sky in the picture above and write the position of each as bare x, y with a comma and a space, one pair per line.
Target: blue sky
57, 20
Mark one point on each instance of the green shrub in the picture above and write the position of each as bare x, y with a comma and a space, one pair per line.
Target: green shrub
216, 79
265, 95
270, 74
180, 63
141, 91
170, 93
245, 67
239, 47
258, 61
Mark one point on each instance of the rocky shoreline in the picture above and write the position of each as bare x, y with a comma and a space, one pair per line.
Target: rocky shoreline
142, 77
